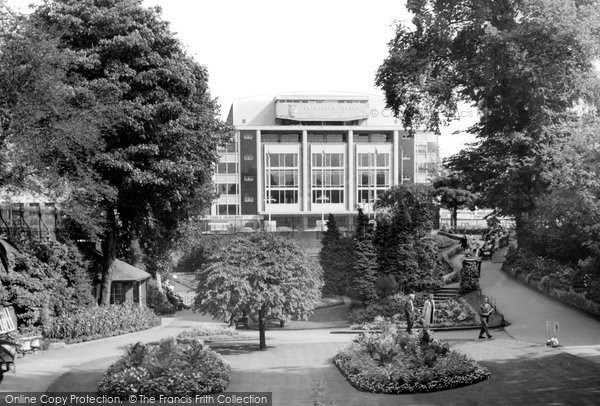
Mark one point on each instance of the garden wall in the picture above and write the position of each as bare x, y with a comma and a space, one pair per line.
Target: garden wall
554, 289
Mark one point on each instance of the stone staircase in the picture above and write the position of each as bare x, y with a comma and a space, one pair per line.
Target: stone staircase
446, 293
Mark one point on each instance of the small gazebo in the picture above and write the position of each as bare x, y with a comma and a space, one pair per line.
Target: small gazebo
128, 284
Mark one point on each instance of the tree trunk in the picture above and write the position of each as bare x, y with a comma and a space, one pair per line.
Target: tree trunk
262, 327
109, 253
454, 218
520, 228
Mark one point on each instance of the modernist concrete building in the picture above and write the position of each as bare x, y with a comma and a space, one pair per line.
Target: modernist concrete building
298, 157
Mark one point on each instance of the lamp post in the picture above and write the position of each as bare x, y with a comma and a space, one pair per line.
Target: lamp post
401, 165
322, 188
268, 188
374, 166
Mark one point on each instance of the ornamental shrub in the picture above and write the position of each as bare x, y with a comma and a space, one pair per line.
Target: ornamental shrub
387, 307
442, 242
46, 279
169, 368
204, 332
100, 321
157, 300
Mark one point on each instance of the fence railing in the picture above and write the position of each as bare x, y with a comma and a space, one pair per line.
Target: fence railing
29, 218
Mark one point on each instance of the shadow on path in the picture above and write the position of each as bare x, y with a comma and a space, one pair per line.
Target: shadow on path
227, 349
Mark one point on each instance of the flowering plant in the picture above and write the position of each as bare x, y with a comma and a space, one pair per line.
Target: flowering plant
169, 368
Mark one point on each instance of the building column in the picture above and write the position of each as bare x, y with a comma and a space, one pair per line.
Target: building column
398, 163
305, 175
351, 190
260, 195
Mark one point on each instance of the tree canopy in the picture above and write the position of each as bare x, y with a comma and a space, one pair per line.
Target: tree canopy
453, 197
261, 275
123, 121
522, 63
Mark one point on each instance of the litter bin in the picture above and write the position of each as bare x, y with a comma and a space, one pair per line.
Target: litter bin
552, 330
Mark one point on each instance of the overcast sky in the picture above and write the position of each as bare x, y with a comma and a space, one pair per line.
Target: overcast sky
276, 46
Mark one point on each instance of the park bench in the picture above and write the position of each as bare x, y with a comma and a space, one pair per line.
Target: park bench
28, 344
8, 346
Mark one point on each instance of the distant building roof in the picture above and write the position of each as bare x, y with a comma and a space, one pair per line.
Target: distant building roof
126, 273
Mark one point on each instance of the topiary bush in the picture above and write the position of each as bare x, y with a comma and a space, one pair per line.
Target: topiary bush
169, 368
396, 362
100, 321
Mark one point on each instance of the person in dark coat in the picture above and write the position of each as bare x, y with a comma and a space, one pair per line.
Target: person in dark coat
464, 243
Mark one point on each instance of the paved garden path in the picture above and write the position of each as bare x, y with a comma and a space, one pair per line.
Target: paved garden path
527, 309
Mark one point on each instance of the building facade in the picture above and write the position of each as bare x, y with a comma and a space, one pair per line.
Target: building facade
298, 157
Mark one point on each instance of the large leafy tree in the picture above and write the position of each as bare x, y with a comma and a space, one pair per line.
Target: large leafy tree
261, 275
523, 63
566, 222
143, 159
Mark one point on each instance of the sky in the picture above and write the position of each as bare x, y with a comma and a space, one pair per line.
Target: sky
277, 46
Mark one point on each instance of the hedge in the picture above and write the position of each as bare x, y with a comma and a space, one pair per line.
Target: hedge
96, 322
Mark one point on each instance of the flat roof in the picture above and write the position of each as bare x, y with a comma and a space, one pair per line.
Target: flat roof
332, 97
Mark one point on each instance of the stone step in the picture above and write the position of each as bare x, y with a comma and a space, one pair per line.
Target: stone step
446, 293
449, 290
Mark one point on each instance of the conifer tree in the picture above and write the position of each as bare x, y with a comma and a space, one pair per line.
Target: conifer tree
364, 269
336, 259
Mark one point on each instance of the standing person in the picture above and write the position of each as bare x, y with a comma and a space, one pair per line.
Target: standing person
409, 312
464, 243
428, 311
484, 312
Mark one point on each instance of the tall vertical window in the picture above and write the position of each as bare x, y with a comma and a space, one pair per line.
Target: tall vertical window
281, 175
117, 293
327, 178
372, 175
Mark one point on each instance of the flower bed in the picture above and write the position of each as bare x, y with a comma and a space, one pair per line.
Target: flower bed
443, 242
450, 313
213, 332
396, 362
96, 322
169, 369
